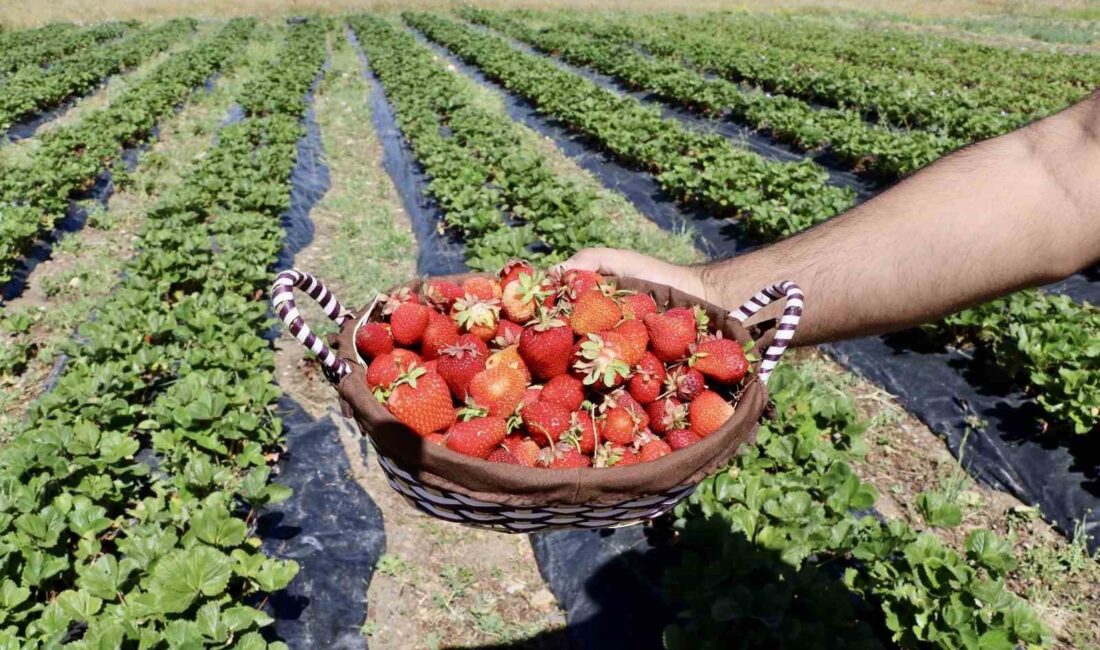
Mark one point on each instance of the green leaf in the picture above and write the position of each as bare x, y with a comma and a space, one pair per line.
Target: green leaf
79, 605
183, 575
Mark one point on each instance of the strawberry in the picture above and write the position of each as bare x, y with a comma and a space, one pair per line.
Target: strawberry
408, 323
581, 433
514, 269
502, 455
385, 369
441, 294
565, 390
563, 456
510, 357
654, 449
649, 376
610, 454
439, 439
617, 425
623, 398
524, 449
637, 305
499, 390
545, 347
575, 282
373, 339
477, 436
708, 412
507, 334
686, 383
432, 366
635, 340
531, 395
680, 438
476, 316
545, 421
601, 360
720, 359
594, 311
669, 336
391, 301
482, 288
458, 364
667, 414
441, 332
521, 296
422, 401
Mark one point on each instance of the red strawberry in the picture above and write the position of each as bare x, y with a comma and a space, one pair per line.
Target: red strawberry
458, 364
532, 395
669, 336
476, 316
563, 456
507, 334
509, 356
708, 412
545, 421
649, 376
408, 323
422, 401
565, 390
667, 414
499, 390
582, 432
521, 296
441, 294
680, 438
618, 425
441, 332
635, 340
594, 311
576, 282
720, 359
482, 288
432, 366
502, 455
513, 269
599, 360
436, 439
545, 348
390, 302
373, 339
654, 450
622, 398
610, 454
385, 369
524, 449
637, 305
686, 383
477, 436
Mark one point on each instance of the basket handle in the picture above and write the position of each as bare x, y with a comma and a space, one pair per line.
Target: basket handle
282, 299
787, 323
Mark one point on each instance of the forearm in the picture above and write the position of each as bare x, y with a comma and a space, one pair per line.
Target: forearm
1015, 211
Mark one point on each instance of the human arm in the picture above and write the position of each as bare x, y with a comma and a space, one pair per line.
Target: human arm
1015, 211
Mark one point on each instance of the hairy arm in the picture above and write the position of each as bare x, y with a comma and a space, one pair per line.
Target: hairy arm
1015, 211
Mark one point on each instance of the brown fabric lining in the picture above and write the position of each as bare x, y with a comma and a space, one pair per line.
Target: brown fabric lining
517, 486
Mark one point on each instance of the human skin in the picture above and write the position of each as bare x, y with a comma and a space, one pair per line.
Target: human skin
1015, 211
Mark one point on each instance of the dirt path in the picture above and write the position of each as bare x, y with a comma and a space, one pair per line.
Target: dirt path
63, 290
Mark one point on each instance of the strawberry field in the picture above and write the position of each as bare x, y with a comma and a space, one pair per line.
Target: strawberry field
175, 470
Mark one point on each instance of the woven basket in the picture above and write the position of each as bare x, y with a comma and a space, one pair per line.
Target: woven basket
512, 498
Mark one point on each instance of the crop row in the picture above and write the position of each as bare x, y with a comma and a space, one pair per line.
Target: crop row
128, 501
888, 152
695, 168
34, 195
499, 194
12, 41
35, 89
1048, 345
901, 100
58, 44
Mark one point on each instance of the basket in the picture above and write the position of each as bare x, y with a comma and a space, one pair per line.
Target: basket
511, 498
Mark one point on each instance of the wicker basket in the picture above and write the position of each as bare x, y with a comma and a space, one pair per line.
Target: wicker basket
512, 498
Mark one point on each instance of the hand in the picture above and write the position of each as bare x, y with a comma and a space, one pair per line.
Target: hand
612, 261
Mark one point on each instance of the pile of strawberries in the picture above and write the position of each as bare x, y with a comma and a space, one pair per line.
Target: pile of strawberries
552, 370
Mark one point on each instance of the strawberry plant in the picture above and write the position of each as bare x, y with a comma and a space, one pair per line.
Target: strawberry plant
56, 43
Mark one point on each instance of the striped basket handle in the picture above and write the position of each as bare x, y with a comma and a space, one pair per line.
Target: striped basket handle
282, 299
787, 323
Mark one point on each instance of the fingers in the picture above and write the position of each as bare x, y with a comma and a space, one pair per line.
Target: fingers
609, 261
